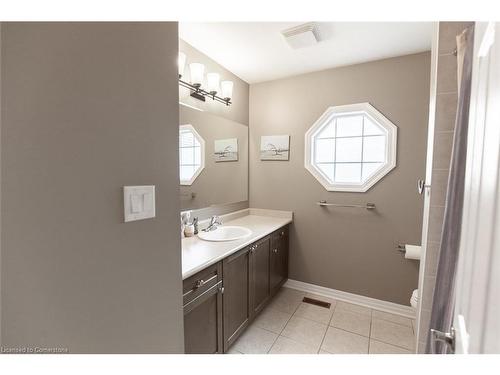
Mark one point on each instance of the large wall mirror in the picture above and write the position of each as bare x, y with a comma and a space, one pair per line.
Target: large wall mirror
213, 159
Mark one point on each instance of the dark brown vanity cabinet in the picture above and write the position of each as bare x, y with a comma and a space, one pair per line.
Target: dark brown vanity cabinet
222, 300
279, 259
236, 298
260, 290
203, 312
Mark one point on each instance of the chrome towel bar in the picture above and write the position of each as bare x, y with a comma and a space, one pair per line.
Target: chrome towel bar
368, 206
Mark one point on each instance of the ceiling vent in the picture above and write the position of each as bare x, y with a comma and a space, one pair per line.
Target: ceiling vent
302, 36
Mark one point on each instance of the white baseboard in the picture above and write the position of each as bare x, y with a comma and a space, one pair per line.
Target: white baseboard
377, 304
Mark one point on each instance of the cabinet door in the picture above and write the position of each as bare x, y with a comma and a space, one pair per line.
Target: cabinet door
259, 282
203, 323
279, 259
236, 297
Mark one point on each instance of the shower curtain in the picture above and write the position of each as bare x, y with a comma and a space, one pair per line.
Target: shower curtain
443, 302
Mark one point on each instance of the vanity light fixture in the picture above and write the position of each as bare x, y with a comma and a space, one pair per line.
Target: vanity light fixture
196, 84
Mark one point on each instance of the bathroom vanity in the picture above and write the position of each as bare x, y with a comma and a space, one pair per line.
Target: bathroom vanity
231, 273
227, 284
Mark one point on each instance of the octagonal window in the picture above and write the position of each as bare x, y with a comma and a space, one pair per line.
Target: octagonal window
191, 154
351, 147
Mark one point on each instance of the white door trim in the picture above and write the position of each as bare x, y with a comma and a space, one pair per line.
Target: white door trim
428, 171
478, 273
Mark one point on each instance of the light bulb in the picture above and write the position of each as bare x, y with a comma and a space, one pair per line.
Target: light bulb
197, 70
213, 83
226, 89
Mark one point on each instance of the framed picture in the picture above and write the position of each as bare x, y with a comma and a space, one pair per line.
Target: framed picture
226, 150
275, 147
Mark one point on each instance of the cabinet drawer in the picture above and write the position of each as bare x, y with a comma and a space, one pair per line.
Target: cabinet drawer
280, 234
203, 323
197, 284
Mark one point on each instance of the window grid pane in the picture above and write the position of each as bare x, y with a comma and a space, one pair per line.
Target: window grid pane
189, 154
349, 150
335, 153
349, 125
362, 149
338, 170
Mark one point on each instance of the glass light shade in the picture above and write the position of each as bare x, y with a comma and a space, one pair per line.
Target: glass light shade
213, 83
181, 63
226, 89
197, 71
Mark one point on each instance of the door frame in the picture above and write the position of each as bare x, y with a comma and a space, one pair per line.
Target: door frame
428, 172
477, 286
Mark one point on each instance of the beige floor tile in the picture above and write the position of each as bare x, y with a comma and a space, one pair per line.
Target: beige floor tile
232, 350
321, 351
317, 313
287, 300
392, 333
377, 347
350, 307
391, 318
305, 331
352, 322
255, 340
338, 341
322, 298
272, 320
284, 345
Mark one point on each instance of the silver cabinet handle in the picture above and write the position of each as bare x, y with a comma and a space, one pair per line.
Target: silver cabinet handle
282, 233
275, 251
199, 283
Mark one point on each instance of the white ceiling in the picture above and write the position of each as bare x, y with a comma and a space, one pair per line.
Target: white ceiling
256, 51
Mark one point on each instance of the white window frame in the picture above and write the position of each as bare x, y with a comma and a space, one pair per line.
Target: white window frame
346, 110
189, 127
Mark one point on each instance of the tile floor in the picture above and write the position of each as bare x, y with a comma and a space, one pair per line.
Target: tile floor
289, 326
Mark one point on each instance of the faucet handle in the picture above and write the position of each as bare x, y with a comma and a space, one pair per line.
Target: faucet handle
215, 220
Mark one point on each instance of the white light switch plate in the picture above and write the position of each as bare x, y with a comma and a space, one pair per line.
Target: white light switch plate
139, 202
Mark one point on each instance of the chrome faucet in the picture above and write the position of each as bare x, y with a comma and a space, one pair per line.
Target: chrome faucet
215, 221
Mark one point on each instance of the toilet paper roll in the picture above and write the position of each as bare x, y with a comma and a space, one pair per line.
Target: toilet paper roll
414, 298
413, 252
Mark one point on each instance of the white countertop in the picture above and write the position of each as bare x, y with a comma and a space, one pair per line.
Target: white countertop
198, 254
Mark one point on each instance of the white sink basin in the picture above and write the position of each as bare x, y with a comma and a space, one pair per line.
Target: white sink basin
225, 233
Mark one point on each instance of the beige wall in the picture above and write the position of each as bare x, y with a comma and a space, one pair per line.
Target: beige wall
91, 107
219, 182
446, 108
238, 111
350, 250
